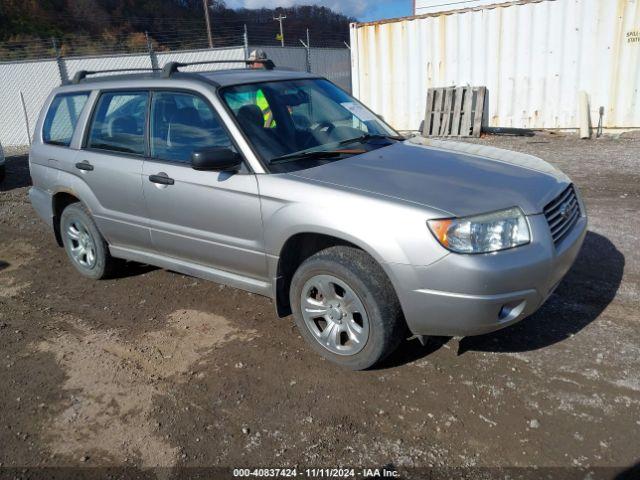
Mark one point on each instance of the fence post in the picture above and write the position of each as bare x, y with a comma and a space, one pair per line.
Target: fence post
62, 67
246, 42
308, 52
152, 54
307, 47
26, 117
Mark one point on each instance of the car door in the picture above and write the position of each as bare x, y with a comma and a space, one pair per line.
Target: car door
204, 217
111, 164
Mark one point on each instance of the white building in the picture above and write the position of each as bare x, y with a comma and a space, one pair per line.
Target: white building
431, 6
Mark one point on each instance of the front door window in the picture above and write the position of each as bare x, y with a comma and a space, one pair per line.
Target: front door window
182, 123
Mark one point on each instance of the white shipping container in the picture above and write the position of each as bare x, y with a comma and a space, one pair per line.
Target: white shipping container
430, 6
534, 56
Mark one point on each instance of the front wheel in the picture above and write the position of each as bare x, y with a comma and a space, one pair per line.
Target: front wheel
346, 307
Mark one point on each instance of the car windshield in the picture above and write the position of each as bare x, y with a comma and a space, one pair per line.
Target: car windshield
297, 124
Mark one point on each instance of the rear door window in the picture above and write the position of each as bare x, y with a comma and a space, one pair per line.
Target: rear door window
62, 118
119, 122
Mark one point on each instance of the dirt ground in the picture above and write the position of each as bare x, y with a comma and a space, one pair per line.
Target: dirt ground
156, 369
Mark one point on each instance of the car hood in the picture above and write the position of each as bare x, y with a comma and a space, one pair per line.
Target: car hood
456, 178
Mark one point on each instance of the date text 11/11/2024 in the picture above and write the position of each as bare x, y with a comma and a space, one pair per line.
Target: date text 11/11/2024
315, 473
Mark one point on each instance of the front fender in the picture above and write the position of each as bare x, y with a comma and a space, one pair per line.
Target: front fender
389, 230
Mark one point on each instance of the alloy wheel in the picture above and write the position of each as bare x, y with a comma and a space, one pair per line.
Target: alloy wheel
334, 314
82, 246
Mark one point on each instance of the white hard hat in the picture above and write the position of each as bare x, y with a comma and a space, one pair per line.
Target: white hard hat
258, 54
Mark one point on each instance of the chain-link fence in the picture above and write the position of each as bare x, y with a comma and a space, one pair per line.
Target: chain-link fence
25, 86
27, 83
332, 63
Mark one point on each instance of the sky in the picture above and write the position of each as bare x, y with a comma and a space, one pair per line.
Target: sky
363, 10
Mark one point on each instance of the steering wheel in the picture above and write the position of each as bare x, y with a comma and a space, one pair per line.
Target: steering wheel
324, 128
326, 125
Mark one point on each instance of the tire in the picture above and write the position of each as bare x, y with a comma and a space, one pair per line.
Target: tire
353, 281
3, 171
78, 229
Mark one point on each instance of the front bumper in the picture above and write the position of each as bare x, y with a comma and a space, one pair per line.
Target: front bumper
461, 295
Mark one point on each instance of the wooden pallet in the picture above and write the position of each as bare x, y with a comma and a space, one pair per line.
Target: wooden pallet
454, 112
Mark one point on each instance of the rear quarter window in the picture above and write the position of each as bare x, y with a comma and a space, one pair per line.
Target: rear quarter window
62, 118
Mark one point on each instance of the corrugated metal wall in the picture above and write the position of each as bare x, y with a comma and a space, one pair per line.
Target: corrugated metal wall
533, 57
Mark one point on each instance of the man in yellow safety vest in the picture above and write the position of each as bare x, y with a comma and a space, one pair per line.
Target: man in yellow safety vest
261, 100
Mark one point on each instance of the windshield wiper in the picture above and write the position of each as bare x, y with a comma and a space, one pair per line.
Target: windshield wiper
368, 136
314, 154
319, 154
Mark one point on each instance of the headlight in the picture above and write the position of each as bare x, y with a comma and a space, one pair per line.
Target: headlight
482, 233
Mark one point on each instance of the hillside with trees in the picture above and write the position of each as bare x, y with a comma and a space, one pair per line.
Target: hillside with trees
42, 28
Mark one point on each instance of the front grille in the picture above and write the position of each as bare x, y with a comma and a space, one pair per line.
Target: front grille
562, 214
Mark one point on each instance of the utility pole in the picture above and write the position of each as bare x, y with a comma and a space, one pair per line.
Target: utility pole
206, 17
280, 18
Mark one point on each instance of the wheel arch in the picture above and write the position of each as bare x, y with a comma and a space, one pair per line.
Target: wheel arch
59, 201
296, 249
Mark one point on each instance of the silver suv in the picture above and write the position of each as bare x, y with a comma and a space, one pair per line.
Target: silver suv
282, 184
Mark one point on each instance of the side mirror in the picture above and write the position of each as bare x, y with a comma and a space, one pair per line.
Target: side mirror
216, 159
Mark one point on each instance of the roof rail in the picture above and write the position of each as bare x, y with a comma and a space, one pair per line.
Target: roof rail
172, 67
82, 74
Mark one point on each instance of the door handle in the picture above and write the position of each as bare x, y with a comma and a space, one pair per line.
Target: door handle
84, 165
161, 179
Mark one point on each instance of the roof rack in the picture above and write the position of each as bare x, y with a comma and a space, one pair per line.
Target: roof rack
82, 74
169, 69
172, 67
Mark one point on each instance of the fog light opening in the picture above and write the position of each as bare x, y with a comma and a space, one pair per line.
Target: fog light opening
510, 311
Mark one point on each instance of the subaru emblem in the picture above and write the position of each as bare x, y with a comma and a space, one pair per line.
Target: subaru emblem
565, 210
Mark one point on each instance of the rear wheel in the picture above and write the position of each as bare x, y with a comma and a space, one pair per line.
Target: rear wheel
2, 173
346, 308
85, 246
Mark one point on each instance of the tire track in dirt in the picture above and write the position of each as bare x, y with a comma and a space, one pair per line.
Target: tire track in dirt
13, 257
112, 382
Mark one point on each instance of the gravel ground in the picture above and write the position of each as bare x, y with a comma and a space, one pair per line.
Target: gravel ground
159, 370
